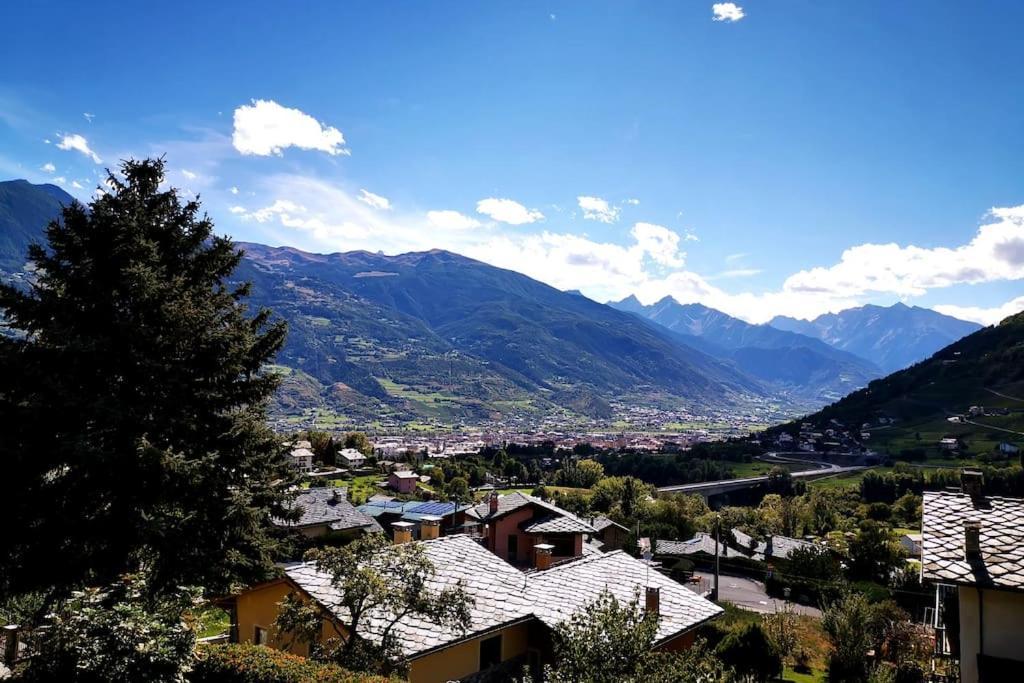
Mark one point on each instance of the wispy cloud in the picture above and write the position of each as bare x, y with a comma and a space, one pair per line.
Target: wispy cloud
508, 211
48, 167
78, 143
597, 209
982, 315
374, 200
451, 220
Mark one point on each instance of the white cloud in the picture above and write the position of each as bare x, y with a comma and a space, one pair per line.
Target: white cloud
985, 316
451, 220
75, 184
233, 190
48, 167
292, 215
660, 243
726, 11
60, 180
374, 200
188, 174
634, 202
508, 211
597, 209
79, 144
266, 128
995, 253
89, 117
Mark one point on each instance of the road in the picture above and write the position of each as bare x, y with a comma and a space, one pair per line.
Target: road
750, 595
822, 469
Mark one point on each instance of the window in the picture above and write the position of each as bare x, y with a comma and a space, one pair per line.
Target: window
490, 652
260, 636
513, 548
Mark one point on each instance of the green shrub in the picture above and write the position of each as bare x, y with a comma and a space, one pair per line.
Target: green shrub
243, 663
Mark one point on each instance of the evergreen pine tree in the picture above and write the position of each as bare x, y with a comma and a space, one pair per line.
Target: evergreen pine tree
132, 402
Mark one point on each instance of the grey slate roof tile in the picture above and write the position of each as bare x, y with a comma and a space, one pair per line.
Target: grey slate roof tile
1002, 540
329, 506
502, 594
564, 589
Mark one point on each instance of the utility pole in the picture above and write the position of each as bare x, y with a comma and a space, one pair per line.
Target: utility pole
718, 520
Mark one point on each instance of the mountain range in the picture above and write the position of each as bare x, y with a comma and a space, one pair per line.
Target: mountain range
438, 337
892, 337
790, 363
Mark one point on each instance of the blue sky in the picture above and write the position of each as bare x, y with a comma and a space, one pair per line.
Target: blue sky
768, 156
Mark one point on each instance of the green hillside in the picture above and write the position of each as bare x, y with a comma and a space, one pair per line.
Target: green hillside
909, 411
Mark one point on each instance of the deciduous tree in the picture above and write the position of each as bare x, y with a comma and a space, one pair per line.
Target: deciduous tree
372, 577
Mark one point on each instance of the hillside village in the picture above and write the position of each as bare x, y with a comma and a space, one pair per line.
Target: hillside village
512, 342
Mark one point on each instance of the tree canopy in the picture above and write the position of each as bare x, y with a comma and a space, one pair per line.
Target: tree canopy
371, 575
133, 401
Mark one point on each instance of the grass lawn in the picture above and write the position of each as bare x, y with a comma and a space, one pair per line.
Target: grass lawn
213, 621
815, 676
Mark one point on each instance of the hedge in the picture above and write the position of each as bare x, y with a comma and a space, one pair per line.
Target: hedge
245, 663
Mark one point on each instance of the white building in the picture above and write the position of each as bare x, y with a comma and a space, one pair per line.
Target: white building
302, 458
351, 458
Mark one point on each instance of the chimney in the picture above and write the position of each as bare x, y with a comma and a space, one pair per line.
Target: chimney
542, 555
972, 482
972, 540
653, 602
11, 633
335, 497
402, 531
430, 527
493, 502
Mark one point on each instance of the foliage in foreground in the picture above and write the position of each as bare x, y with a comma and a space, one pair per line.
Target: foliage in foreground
115, 633
245, 663
371, 574
610, 642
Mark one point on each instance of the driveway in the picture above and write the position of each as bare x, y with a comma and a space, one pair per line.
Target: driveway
749, 594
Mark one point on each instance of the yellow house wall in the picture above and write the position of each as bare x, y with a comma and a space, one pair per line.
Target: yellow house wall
259, 607
1004, 623
463, 659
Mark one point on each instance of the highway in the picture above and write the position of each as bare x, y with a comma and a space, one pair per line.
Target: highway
709, 488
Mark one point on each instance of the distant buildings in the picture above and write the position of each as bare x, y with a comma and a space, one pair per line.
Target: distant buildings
403, 481
301, 456
351, 458
326, 511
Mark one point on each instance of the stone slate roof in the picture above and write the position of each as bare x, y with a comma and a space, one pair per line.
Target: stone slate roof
498, 590
781, 546
567, 588
329, 506
513, 501
601, 523
701, 543
504, 595
556, 524
1002, 540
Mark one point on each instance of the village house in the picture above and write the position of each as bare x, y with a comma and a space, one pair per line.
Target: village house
512, 611
386, 511
403, 481
301, 456
610, 535
911, 544
973, 549
515, 523
327, 511
351, 458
